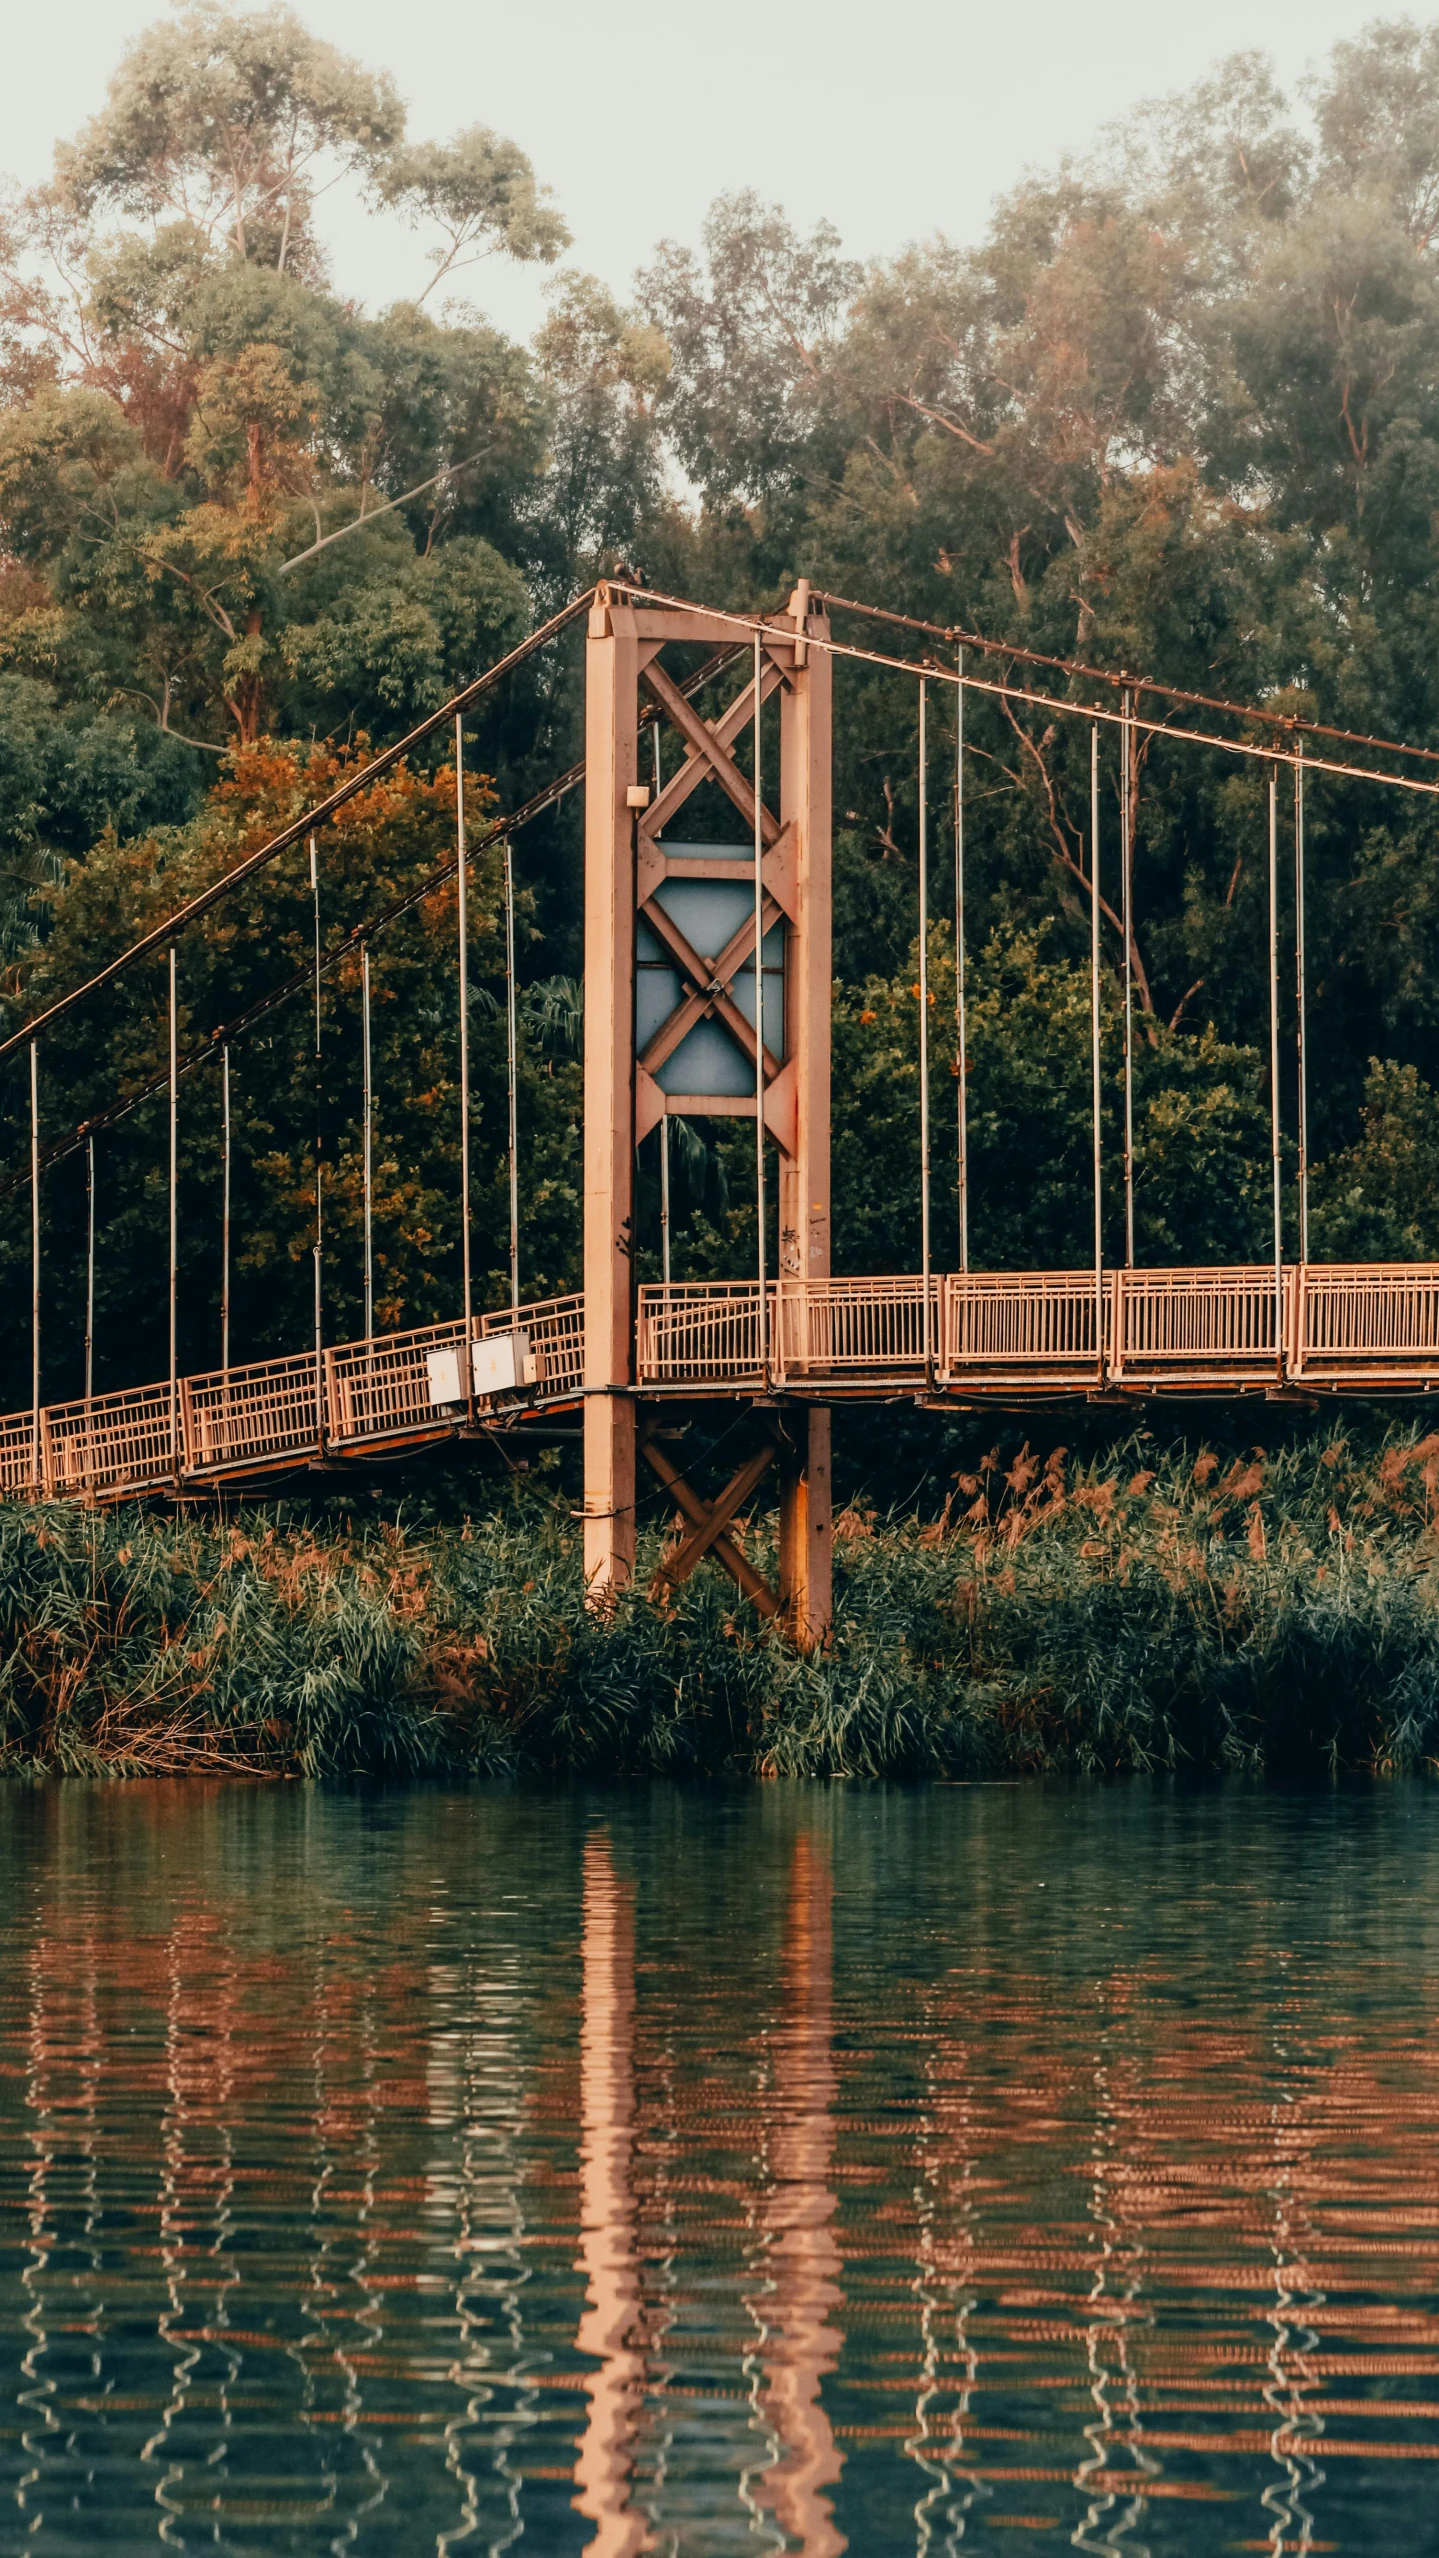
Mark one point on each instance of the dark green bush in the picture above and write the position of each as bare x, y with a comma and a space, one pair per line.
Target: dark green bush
1279, 1612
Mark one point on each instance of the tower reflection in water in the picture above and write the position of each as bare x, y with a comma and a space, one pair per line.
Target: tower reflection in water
800, 2342
612, 2322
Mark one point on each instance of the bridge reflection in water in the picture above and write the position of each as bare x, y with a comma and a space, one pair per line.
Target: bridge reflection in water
1364, 1328
606, 2172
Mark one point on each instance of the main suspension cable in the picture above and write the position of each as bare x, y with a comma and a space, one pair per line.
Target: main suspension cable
955, 636
1249, 749
295, 833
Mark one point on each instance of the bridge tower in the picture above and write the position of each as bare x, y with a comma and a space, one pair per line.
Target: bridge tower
670, 1010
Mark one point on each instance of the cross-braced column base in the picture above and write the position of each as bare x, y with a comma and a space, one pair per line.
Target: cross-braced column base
708, 1522
798, 1444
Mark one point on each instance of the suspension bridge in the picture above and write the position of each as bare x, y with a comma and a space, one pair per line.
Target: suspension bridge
708, 992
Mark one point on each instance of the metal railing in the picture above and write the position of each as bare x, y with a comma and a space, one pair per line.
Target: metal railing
1036, 1331
556, 1333
239, 1416
1380, 1320
114, 1443
1052, 1329
380, 1389
1052, 1321
1188, 1324
17, 1453
701, 1331
854, 1328
234, 1420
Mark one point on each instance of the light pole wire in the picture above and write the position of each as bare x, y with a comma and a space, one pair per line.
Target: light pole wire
512, 1048
664, 1122
923, 992
174, 1220
463, 957
960, 989
35, 1265
1301, 976
225, 1208
759, 1009
1126, 855
90, 1268
1274, 1137
367, 1140
319, 1174
1094, 1044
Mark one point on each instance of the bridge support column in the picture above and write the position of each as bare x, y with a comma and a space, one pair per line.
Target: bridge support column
609, 1493
611, 769
641, 881
806, 1529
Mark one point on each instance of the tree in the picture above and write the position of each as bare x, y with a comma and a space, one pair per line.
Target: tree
753, 328
195, 419
383, 845
220, 123
606, 370
479, 192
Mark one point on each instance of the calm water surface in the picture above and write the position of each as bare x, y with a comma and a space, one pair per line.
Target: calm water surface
797, 2169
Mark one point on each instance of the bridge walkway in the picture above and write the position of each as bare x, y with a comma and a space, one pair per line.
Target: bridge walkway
1011, 1337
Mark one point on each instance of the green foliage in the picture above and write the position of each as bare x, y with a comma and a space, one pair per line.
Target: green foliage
1176, 410
1134, 1612
191, 411
406, 632
479, 191
218, 120
1200, 1120
1379, 1199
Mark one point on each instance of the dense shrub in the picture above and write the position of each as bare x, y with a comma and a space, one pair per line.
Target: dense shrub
1274, 1612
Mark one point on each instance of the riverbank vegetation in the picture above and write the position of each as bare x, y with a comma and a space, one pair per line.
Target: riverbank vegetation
1146, 1608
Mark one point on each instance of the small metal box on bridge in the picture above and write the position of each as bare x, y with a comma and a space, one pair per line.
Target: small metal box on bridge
499, 1365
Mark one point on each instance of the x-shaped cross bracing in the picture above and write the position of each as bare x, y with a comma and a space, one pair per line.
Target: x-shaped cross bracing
709, 1523
707, 985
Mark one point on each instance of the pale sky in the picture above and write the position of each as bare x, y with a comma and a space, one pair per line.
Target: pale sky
896, 122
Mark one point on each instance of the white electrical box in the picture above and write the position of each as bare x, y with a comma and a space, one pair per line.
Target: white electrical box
447, 1374
502, 1362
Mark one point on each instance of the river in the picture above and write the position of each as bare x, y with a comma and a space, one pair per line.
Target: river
784, 2168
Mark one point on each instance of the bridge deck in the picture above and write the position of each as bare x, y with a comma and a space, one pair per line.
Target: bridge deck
1013, 1336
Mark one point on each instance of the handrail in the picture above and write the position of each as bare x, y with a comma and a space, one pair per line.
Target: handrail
1361, 1327
244, 1418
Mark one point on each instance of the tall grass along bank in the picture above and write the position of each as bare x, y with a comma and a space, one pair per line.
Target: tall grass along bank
1143, 1611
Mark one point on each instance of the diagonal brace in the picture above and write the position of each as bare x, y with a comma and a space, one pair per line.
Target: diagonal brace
696, 765
708, 1523
704, 742
710, 981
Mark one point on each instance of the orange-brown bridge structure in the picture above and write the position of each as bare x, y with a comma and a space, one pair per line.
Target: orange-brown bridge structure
708, 987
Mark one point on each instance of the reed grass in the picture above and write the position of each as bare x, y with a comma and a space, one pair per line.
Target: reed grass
1138, 1611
